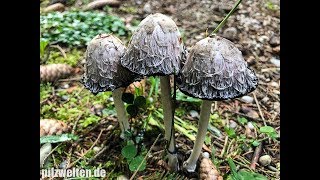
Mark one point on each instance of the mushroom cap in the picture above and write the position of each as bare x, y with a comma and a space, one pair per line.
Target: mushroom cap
215, 70
155, 47
103, 71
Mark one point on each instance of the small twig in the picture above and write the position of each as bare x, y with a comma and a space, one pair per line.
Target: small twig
47, 55
215, 106
54, 161
76, 123
249, 117
70, 79
51, 152
256, 100
103, 149
217, 144
224, 146
229, 146
256, 156
74, 162
44, 101
145, 157
61, 50
72, 132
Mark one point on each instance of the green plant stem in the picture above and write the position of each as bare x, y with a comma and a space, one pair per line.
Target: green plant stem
145, 157
226, 18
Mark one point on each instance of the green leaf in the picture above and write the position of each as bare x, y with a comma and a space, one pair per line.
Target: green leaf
58, 138
127, 98
207, 140
43, 45
255, 143
244, 175
132, 110
75, 28
140, 101
242, 120
129, 151
267, 129
182, 97
233, 169
134, 164
230, 132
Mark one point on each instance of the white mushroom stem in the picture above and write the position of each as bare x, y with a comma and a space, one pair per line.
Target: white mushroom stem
191, 164
168, 115
121, 111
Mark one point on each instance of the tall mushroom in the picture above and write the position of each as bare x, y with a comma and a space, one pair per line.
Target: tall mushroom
103, 72
215, 70
156, 49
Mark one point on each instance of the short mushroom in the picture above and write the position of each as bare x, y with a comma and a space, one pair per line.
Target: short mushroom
214, 71
103, 72
156, 49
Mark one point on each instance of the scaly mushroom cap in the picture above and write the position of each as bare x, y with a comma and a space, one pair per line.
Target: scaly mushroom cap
215, 70
103, 71
155, 47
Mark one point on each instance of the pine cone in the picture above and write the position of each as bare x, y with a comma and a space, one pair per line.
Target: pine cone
53, 72
52, 127
131, 87
208, 171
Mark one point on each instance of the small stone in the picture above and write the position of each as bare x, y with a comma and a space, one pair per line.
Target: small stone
205, 155
54, 7
97, 109
247, 99
265, 99
245, 109
64, 98
198, 37
63, 164
263, 39
253, 114
276, 105
248, 132
65, 86
275, 61
274, 41
232, 124
276, 49
230, 33
265, 160
251, 60
122, 177
276, 91
147, 8
150, 99
274, 84
250, 125
194, 114
96, 149
109, 127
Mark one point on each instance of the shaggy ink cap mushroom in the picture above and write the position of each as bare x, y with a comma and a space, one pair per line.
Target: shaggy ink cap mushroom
103, 71
155, 47
215, 70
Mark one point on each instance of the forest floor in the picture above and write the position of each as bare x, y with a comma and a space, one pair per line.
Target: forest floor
237, 127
